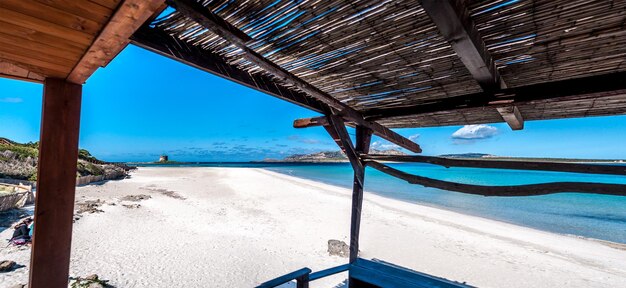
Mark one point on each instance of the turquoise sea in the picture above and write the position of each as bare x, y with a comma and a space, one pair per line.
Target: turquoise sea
588, 215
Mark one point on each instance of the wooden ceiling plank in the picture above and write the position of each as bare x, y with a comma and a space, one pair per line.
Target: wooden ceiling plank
35, 76
111, 4
35, 64
39, 37
114, 37
40, 49
37, 72
27, 79
12, 71
52, 15
36, 55
84, 9
43, 26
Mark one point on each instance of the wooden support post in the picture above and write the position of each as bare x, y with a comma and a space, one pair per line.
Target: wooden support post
337, 124
56, 182
337, 129
363, 137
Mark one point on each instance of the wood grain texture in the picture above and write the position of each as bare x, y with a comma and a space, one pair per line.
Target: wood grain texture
512, 116
508, 191
518, 164
56, 181
10, 70
363, 139
114, 37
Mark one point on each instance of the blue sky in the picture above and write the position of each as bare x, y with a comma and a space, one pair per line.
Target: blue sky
143, 105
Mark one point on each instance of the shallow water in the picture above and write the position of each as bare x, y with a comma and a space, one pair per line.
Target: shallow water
588, 215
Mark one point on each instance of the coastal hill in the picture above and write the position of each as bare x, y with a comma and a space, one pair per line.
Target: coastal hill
19, 161
330, 156
338, 156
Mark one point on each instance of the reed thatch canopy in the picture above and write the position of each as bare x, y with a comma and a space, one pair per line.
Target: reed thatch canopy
410, 63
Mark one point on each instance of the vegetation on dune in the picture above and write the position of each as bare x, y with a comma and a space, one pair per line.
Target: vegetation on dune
19, 161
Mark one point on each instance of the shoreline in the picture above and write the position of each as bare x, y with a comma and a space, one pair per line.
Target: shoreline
374, 196
320, 184
185, 227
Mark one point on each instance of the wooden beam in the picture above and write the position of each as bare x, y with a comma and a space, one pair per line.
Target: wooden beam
56, 181
512, 116
335, 136
222, 28
376, 128
519, 190
363, 139
336, 123
453, 20
336, 128
592, 86
310, 122
504, 164
12, 71
215, 24
158, 41
130, 15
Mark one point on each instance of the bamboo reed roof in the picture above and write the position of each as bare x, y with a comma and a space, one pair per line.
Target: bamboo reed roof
364, 53
386, 57
542, 41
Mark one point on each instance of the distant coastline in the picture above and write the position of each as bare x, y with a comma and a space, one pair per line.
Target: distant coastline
323, 157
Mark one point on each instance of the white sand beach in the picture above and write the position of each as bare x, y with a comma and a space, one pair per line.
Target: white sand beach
237, 227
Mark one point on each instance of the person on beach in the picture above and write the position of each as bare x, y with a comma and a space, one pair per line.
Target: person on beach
22, 233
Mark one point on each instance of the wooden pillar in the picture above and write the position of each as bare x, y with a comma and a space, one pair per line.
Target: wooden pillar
56, 182
363, 137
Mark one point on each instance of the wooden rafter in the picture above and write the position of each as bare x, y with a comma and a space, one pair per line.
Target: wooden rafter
336, 123
512, 116
376, 128
454, 23
130, 15
215, 24
337, 130
572, 89
160, 42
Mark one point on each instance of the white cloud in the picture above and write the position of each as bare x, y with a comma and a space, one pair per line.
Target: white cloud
414, 137
11, 100
471, 132
380, 145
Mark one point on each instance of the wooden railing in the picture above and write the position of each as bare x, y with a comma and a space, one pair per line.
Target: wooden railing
304, 276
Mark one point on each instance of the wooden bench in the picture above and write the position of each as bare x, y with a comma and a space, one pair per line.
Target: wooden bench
368, 274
